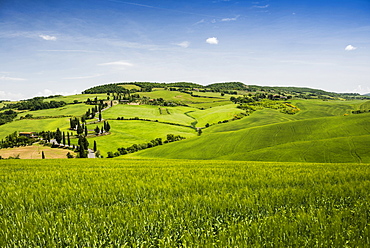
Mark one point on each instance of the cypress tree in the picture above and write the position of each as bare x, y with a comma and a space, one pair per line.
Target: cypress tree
43, 155
85, 131
64, 138
68, 139
95, 149
58, 136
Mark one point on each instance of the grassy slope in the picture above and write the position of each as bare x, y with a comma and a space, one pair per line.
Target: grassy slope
271, 136
150, 112
184, 98
34, 126
215, 114
166, 203
78, 97
72, 110
127, 133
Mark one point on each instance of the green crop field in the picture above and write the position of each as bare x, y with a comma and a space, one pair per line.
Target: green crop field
131, 87
163, 114
78, 97
215, 114
327, 139
71, 110
127, 133
36, 125
184, 98
181, 203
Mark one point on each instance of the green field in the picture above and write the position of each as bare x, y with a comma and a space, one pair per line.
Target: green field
183, 98
127, 133
180, 203
69, 110
163, 114
268, 135
36, 125
78, 97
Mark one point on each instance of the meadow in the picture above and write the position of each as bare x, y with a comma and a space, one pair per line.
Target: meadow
68, 110
183, 203
128, 132
268, 135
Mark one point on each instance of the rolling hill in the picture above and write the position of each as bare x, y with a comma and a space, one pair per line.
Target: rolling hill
327, 128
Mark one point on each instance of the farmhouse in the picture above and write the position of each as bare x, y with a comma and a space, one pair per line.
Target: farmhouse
28, 134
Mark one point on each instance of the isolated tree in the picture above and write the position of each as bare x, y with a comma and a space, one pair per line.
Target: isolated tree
58, 136
95, 149
43, 155
199, 131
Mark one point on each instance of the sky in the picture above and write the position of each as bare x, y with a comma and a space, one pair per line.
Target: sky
50, 47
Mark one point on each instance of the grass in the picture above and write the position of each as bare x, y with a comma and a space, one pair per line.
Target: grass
216, 114
36, 125
127, 133
71, 110
130, 86
78, 97
177, 114
313, 140
34, 152
182, 98
180, 203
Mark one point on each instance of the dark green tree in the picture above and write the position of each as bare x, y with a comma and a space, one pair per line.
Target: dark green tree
79, 129
58, 136
97, 130
85, 130
64, 138
43, 155
95, 148
68, 139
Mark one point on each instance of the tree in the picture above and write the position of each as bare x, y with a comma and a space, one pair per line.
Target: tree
97, 130
58, 136
79, 129
85, 131
64, 138
95, 149
43, 155
69, 155
68, 139
199, 131
100, 117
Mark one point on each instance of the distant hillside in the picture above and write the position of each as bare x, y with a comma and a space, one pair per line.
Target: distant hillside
226, 87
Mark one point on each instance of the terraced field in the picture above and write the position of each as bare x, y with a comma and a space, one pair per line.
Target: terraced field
166, 203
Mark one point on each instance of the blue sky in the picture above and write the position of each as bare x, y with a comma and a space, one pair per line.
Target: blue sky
63, 47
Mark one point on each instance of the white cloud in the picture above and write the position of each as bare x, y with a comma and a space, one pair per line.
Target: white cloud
361, 90
184, 44
10, 96
200, 22
230, 19
212, 41
48, 37
4, 78
350, 48
261, 7
47, 92
119, 63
